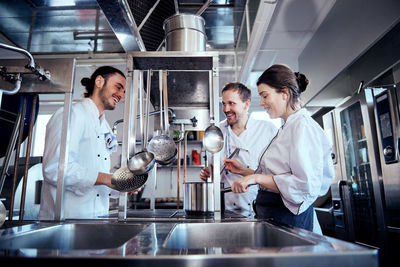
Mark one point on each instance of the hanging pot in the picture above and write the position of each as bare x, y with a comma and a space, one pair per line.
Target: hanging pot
185, 32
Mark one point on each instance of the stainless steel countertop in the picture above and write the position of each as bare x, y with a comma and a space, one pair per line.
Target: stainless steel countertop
179, 241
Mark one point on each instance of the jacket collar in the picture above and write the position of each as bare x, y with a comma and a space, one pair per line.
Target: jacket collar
100, 122
297, 114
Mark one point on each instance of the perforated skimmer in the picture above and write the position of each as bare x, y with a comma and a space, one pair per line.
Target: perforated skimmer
125, 181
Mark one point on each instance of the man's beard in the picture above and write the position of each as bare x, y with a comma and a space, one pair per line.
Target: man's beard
230, 122
105, 100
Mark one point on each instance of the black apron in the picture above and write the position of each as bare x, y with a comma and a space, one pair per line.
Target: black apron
270, 205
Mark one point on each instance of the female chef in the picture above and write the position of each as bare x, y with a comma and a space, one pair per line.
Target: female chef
296, 167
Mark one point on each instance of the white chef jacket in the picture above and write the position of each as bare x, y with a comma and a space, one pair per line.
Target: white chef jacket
299, 159
251, 141
87, 155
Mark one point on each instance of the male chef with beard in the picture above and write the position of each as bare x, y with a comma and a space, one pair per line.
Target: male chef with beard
87, 181
241, 131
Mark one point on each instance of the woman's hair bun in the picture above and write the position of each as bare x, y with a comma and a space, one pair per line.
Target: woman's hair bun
85, 81
302, 81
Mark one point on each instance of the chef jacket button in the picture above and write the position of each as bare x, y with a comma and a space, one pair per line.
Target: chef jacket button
106, 159
248, 204
109, 195
98, 195
98, 136
234, 204
98, 155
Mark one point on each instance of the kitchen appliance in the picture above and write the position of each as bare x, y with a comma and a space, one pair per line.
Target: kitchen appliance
387, 119
359, 192
387, 106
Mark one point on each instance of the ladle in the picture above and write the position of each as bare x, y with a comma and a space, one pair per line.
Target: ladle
163, 146
213, 139
143, 161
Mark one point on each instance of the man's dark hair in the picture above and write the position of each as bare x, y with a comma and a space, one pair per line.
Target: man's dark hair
105, 72
243, 91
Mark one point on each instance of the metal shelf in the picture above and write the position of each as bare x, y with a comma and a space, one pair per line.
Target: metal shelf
187, 166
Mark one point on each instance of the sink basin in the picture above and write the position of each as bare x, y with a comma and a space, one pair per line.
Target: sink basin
73, 236
231, 235
10, 224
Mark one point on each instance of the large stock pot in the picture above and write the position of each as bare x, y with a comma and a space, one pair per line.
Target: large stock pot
185, 32
198, 198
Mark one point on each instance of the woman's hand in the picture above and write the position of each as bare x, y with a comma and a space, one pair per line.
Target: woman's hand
241, 185
235, 166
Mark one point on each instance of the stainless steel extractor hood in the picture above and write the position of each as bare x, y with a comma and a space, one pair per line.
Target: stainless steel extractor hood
109, 26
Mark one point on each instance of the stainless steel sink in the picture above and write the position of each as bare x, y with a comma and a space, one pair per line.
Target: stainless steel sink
231, 235
73, 236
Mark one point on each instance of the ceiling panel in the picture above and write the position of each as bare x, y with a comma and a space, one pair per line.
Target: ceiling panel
292, 26
282, 40
297, 15
268, 57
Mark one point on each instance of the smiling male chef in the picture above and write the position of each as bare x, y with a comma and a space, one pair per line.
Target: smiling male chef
241, 131
87, 182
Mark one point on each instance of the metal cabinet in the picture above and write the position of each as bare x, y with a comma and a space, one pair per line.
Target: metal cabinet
360, 188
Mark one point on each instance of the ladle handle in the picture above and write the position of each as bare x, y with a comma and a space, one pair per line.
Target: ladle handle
141, 122
204, 7
176, 6
165, 95
211, 92
230, 156
160, 84
229, 189
146, 128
